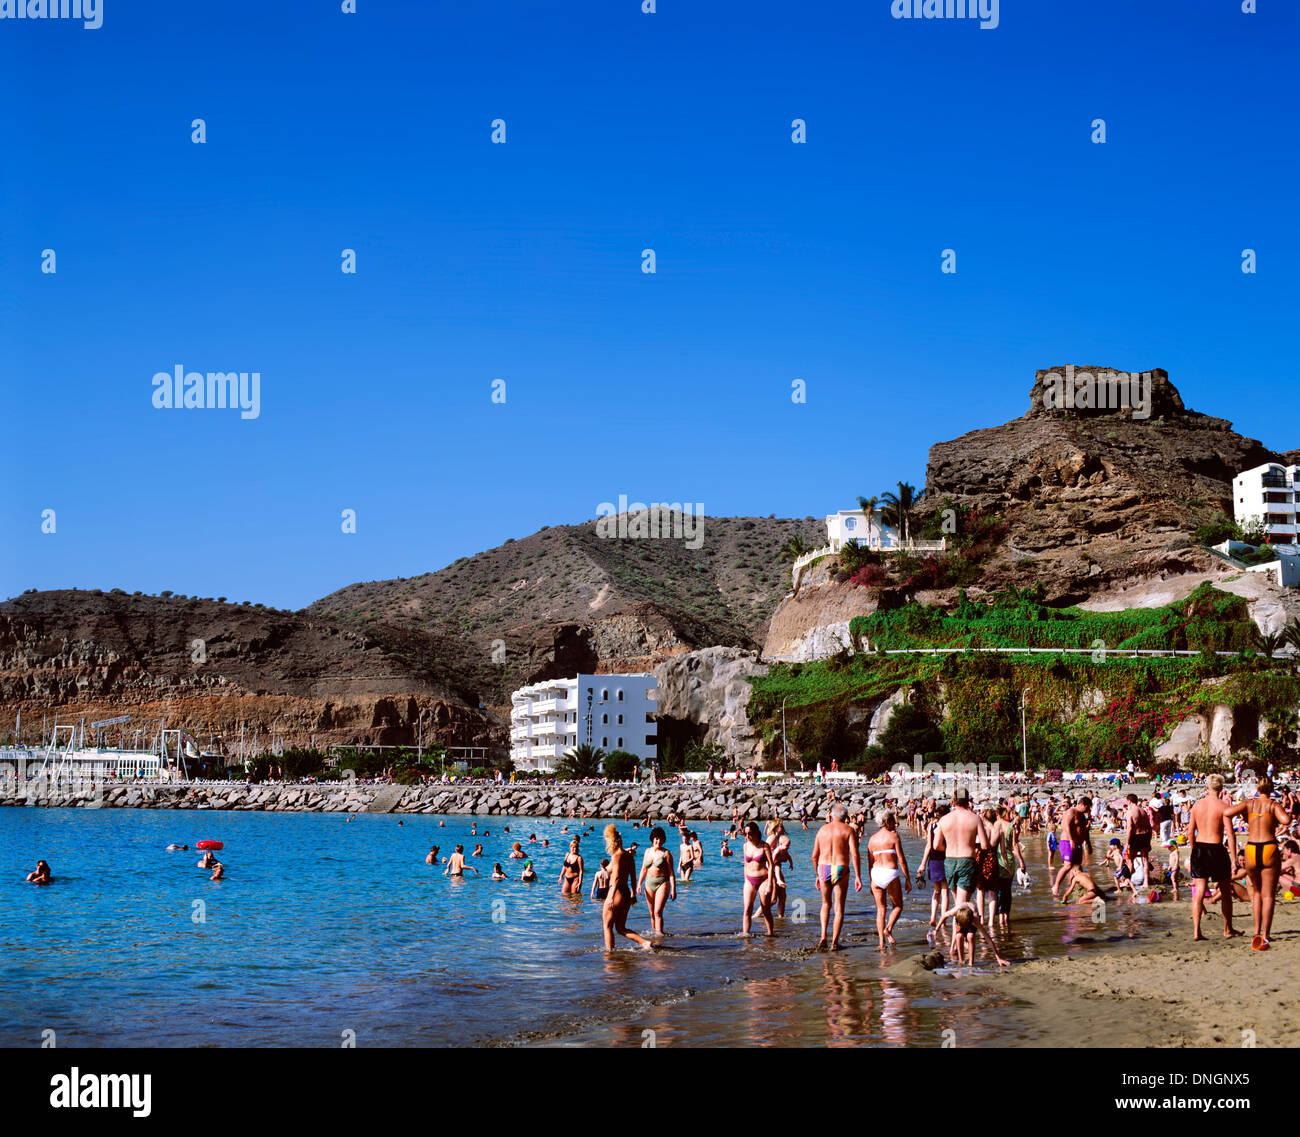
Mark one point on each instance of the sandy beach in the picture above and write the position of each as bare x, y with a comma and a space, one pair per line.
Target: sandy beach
1170, 992
1154, 989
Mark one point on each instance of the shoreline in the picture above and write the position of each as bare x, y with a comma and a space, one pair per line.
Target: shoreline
693, 801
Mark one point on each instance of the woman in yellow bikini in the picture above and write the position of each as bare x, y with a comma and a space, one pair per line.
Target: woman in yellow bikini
658, 880
1263, 856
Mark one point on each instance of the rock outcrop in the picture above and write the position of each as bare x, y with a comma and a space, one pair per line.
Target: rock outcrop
710, 689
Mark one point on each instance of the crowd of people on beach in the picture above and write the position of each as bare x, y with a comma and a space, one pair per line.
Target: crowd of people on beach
972, 862
1241, 848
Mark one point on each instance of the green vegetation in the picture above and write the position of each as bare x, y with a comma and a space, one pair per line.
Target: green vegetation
1095, 710
1207, 620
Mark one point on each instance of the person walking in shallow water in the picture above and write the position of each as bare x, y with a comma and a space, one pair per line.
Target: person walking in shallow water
834, 850
658, 880
758, 873
622, 891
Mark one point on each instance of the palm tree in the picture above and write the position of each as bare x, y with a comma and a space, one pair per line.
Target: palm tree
868, 506
794, 548
1268, 643
581, 762
900, 508
1291, 634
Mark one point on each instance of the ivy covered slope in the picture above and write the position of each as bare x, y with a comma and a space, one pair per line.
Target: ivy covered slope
1099, 709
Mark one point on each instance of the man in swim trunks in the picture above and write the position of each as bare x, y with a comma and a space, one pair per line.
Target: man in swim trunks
1210, 860
1263, 855
456, 863
1074, 839
960, 832
834, 850
1137, 828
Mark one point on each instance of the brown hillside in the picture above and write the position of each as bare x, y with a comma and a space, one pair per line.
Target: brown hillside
102, 654
567, 599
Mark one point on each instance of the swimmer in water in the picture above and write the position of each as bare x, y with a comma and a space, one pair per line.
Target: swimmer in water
178, 848
218, 871
456, 864
478, 850
600, 882
41, 875
432, 858
209, 859
498, 873
571, 872
528, 874
516, 853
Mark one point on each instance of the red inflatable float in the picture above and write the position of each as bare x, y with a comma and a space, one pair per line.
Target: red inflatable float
208, 845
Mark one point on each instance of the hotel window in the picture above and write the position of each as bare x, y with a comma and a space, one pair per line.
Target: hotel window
604, 742
620, 720
604, 720
604, 694
620, 694
620, 744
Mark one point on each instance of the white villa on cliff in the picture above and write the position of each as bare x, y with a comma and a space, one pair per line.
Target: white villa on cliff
853, 525
610, 712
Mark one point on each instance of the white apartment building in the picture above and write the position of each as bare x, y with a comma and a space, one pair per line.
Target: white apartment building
610, 712
852, 525
1268, 493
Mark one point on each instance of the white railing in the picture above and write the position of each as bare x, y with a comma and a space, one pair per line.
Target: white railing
807, 559
900, 547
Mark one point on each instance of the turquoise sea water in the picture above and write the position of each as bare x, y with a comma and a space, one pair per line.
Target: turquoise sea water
324, 926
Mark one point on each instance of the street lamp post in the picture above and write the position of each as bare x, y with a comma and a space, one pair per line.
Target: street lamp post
785, 764
1024, 736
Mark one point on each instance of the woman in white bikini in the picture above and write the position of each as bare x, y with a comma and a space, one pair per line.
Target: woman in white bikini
888, 861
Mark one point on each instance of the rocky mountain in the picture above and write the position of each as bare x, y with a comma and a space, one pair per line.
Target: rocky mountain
1093, 502
212, 667
1092, 496
567, 599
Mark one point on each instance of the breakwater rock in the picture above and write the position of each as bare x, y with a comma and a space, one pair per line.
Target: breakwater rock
694, 802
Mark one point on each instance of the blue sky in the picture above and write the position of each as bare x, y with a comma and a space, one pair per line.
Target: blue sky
521, 261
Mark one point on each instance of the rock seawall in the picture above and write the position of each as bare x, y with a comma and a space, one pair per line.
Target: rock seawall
696, 803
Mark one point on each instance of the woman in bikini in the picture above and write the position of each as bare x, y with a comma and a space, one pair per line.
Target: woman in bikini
571, 871
1263, 856
758, 870
622, 892
887, 859
779, 840
932, 859
658, 881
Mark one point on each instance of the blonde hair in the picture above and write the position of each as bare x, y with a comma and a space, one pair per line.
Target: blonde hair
884, 816
775, 828
613, 839
1214, 783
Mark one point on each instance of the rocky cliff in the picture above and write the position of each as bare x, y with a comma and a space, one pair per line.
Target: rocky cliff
212, 668
1092, 496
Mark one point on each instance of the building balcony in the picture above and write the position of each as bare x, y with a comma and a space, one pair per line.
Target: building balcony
1273, 481
551, 706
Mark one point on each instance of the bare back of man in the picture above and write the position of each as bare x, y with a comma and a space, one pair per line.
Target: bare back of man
962, 832
835, 849
1209, 859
